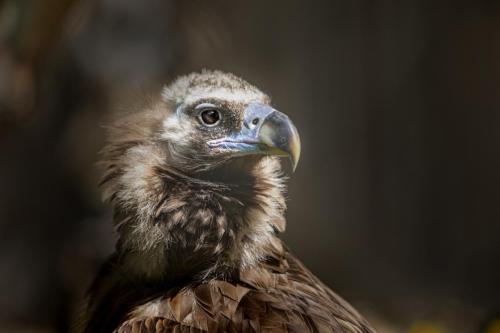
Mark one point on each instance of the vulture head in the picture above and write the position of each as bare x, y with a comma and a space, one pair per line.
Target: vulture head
195, 179
218, 117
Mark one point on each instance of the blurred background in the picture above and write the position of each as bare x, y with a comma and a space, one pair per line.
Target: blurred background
395, 203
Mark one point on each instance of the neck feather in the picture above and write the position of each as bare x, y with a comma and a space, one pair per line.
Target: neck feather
172, 224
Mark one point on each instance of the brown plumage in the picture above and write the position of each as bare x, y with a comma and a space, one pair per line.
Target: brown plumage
197, 191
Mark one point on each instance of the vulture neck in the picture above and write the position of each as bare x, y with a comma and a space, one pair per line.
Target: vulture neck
209, 225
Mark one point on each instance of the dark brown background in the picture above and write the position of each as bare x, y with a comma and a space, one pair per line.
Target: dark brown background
395, 202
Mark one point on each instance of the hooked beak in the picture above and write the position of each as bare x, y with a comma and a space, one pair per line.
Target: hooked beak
264, 131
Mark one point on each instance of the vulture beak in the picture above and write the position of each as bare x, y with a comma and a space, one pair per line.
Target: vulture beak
264, 131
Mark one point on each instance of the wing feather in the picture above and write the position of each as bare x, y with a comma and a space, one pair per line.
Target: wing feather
280, 295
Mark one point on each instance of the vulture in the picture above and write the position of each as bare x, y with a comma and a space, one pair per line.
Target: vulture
197, 191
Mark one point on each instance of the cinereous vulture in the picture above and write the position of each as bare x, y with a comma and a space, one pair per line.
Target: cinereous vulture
196, 185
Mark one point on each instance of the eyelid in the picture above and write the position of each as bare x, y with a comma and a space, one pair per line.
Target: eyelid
203, 106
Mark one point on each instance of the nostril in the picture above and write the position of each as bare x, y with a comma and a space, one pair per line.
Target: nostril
255, 121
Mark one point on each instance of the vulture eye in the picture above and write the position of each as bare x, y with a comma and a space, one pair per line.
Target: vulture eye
210, 117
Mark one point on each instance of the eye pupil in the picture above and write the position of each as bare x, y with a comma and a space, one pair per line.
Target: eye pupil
210, 117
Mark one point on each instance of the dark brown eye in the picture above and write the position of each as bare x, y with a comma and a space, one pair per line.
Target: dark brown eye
210, 117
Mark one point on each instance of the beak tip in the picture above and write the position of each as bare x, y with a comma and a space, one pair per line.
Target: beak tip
294, 149
294, 159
